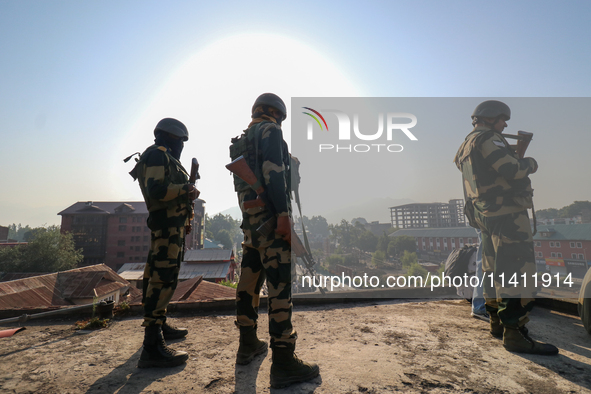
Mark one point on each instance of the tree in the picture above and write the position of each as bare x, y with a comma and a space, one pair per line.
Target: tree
47, 251
367, 241
383, 242
225, 239
378, 259
408, 259
401, 244
224, 229
317, 226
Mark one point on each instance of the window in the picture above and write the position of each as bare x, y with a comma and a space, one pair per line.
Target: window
538, 244
573, 255
145, 248
122, 219
551, 244
559, 254
424, 246
137, 249
461, 242
579, 245
444, 240
552, 254
120, 254
146, 239
469, 240
557, 244
121, 242
540, 254
122, 227
581, 257
572, 244
453, 243
131, 248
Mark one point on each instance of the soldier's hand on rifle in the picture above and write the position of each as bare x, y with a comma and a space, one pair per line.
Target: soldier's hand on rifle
188, 229
192, 191
284, 226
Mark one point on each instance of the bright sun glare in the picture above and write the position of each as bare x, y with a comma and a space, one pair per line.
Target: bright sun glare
212, 94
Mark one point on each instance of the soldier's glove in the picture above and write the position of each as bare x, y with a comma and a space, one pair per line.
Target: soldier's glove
284, 226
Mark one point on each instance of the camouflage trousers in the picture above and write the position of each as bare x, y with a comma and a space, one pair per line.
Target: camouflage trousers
161, 273
265, 259
508, 263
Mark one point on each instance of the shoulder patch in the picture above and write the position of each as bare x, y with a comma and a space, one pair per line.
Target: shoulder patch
499, 143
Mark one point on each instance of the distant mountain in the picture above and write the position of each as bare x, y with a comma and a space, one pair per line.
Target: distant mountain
235, 212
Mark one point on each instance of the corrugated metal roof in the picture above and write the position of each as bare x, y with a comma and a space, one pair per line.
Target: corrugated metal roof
449, 232
132, 275
208, 255
207, 270
216, 270
567, 232
61, 287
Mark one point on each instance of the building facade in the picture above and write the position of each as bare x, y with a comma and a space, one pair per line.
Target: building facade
435, 244
115, 233
429, 215
563, 248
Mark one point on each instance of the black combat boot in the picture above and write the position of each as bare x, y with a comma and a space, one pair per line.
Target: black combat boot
517, 340
250, 346
171, 332
496, 328
156, 353
287, 368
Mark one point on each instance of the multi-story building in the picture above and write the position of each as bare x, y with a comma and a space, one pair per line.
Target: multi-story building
435, 244
115, 233
428, 215
563, 248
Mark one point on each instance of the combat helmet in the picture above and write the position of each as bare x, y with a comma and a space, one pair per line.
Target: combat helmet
492, 109
271, 100
174, 127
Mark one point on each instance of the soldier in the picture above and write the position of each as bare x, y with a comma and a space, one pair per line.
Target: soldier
498, 193
168, 195
268, 257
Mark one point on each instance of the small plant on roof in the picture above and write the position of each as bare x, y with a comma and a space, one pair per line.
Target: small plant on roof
92, 324
122, 309
228, 283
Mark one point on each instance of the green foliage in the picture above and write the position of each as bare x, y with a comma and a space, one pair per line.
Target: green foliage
383, 242
408, 259
92, 324
367, 241
333, 261
398, 245
228, 284
415, 269
378, 259
569, 211
17, 232
353, 236
317, 226
47, 251
224, 229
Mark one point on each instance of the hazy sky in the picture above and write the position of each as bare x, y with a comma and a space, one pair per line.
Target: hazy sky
84, 82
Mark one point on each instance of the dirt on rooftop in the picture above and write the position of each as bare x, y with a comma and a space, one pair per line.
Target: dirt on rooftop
374, 347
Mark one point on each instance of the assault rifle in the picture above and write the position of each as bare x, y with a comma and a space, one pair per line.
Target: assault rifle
240, 168
523, 139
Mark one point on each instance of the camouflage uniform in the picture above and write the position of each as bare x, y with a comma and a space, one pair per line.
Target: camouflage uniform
266, 257
163, 182
499, 190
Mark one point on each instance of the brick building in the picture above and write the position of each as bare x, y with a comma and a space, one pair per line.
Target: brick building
435, 244
563, 248
115, 233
